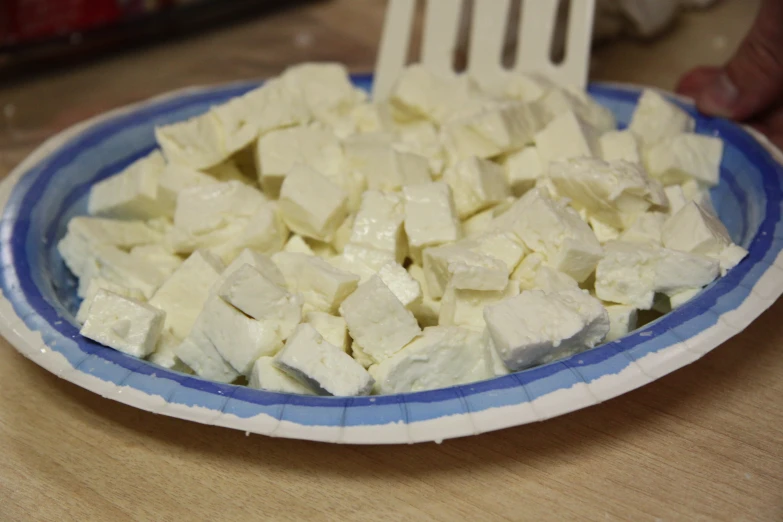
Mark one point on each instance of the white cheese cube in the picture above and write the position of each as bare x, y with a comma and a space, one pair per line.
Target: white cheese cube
523, 169
176, 178
401, 283
504, 246
323, 86
421, 137
322, 285
622, 321
197, 143
620, 145
677, 271
676, 197
126, 270
123, 324
122, 234
476, 184
602, 231
131, 194
462, 268
494, 129
165, 353
478, 223
466, 307
442, 356
550, 280
614, 193
536, 327
239, 167
678, 299
343, 234
253, 294
205, 208
261, 262
557, 101
278, 151
265, 231
298, 245
311, 205
519, 86
430, 217
327, 369
655, 119
379, 223
159, 256
646, 229
686, 156
526, 270
731, 257
331, 327
384, 166
239, 339
266, 376
495, 365
352, 265
98, 283
426, 311
201, 356
422, 93
554, 230
377, 320
367, 256
359, 356
183, 295
566, 137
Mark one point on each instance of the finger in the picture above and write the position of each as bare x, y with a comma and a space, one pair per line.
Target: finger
753, 78
693, 83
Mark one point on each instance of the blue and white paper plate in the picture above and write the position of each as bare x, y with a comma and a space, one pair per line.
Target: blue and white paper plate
38, 300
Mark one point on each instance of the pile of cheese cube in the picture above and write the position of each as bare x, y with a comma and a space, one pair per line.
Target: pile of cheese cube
303, 239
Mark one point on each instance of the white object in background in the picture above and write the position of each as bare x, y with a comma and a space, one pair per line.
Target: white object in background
538, 22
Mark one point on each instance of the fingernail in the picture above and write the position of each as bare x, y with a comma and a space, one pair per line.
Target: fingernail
720, 96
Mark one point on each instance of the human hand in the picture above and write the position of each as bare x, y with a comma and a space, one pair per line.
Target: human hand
749, 88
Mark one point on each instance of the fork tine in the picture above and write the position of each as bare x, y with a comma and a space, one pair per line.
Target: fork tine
393, 50
576, 64
440, 34
488, 32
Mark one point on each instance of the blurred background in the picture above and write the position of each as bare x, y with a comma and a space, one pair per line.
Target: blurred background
62, 61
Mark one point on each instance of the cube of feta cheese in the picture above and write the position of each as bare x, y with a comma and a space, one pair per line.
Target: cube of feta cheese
368, 256
686, 156
379, 223
266, 376
264, 231
602, 231
124, 324
261, 262
442, 356
622, 320
383, 165
296, 244
423, 93
131, 194
325, 368
262, 299
174, 179
557, 101
401, 283
239, 339
278, 151
426, 311
620, 145
359, 356
377, 320
677, 271
352, 265
678, 299
97, 284
504, 246
120, 233
331, 327
182, 296
462, 268
465, 308
198, 142
311, 205
343, 234
550, 280
693, 229
676, 197
430, 217
165, 353
201, 356
535, 326
554, 230
322, 286
614, 193
566, 137
205, 208
129, 271
323, 86
478, 223
158, 255
646, 229
476, 184
526, 270
421, 137
655, 119
523, 169
494, 129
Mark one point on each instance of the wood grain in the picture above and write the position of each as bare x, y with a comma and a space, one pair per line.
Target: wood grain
704, 443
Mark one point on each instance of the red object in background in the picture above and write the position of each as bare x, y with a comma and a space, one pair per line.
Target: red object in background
31, 21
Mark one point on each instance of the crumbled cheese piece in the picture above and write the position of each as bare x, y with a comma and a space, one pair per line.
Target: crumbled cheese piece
655, 119
622, 320
441, 356
462, 268
205, 208
322, 285
176, 178
98, 283
550, 280
620, 145
379, 223
478, 223
131, 272
602, 231
535, 326
311, 205
131, 194
159, 256
261, 262
266, 376
646, 229
566, 137
466, 307
401, 283
676, 197
430, 217
323, 86
123, 324
165, 353
310, 359
201, 356
686, 156
523, 169
331, 327
526, 270
504, 246
197, 143
377, 320
476, 185
423, 93
384, 166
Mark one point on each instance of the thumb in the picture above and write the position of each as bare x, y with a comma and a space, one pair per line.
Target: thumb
753, 78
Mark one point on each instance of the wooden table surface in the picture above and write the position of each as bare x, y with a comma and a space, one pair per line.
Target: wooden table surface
704, 443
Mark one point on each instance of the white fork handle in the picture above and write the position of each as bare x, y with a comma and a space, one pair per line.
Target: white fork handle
393, 50
441, 25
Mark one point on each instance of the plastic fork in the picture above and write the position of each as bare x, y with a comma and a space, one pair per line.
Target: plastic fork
489, 26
